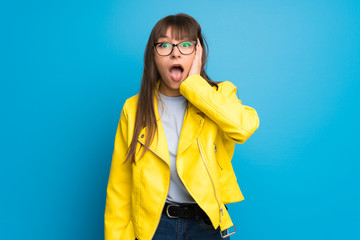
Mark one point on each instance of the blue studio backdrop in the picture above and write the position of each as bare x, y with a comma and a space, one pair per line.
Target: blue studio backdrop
67, 67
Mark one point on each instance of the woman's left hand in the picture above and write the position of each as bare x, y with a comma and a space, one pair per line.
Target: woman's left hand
196, 64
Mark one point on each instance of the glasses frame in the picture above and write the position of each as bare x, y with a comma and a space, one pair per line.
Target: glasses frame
172, 47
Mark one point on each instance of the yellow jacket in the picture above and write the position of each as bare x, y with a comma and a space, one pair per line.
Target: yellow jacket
215, 119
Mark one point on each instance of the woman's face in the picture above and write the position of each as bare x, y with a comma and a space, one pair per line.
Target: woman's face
173, 68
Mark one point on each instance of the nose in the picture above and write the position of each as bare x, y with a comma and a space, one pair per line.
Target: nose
175, 53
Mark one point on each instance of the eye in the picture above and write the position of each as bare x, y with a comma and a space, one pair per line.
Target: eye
165, 45
186, 44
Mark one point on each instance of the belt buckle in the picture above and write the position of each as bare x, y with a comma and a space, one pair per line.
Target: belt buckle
227, 233
167, 210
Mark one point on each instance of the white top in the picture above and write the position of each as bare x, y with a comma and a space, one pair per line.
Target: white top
172, 111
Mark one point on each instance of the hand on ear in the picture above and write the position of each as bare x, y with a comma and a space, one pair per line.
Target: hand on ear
196, 64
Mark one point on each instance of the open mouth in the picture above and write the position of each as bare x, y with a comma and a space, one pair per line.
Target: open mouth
176, 72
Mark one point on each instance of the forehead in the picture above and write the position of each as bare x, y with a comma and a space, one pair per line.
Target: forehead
175, 33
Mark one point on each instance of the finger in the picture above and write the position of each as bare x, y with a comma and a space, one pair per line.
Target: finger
198, 47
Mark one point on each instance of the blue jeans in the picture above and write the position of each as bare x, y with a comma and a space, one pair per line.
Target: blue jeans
186, 229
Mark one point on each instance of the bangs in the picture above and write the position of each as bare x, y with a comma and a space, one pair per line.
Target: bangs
181, 29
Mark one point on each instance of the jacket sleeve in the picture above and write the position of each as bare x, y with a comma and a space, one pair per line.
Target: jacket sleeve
237, 121
117, 209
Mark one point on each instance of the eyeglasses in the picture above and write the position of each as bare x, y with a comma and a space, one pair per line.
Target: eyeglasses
165, 49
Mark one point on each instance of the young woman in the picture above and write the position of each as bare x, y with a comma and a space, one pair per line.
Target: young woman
171, 171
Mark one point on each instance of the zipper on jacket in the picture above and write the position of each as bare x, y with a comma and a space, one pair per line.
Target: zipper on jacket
215, 148
212, 181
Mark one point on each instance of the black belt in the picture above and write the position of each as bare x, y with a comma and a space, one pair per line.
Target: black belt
183, 211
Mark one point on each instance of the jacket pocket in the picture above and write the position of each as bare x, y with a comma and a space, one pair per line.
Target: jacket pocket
218, 161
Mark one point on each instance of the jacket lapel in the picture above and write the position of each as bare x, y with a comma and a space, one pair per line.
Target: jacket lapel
159, 144
192, 125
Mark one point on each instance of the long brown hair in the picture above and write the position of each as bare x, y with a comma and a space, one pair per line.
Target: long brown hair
182, 26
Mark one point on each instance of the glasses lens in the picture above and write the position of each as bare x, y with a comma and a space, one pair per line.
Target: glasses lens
186, 47
164, 48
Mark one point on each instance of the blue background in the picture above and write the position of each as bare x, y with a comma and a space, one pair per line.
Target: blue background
67, 67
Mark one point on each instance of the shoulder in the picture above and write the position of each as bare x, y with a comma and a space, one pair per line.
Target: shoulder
226, 88
130, 105
132, 100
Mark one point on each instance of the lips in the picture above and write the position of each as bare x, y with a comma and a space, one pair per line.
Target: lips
176, 72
